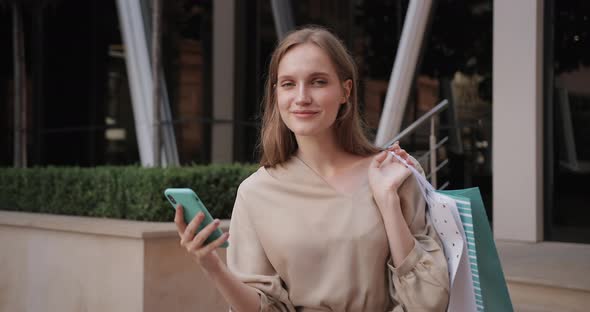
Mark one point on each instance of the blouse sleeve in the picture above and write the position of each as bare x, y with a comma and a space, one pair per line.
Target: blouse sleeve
247, 260
421, 281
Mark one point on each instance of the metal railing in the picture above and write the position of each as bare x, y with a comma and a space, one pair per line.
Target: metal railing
433, 145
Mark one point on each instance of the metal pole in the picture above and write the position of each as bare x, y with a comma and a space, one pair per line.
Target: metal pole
156, 58
283, 17
19, 114
23, 90
411, 128
432, 152
135, 32
404, 68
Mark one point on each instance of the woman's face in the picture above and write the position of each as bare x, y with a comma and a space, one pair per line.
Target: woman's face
309, 92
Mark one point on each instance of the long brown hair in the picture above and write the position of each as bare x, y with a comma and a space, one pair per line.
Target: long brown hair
277, 142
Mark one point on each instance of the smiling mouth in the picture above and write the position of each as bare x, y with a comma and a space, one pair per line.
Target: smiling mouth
304, 113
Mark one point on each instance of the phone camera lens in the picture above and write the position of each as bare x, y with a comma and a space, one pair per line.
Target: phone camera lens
172, 199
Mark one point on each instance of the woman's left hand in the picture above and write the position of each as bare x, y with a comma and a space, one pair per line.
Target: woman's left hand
387, 174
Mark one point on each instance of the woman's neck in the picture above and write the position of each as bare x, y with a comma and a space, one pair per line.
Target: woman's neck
324, 155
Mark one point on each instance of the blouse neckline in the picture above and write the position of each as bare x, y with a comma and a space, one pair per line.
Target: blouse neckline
363, 186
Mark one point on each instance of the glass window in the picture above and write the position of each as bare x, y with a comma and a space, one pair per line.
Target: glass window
187, 62
6, 88
457, 65
255, 40
567, 115
79, 110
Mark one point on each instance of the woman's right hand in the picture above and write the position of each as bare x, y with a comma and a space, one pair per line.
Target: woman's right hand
205, 255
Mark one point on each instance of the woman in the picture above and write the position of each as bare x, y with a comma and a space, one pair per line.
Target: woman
328, 223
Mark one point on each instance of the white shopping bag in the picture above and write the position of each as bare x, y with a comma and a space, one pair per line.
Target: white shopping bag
461, 262
458, 247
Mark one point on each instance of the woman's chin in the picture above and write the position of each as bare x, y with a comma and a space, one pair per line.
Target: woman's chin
308, 132
304, 131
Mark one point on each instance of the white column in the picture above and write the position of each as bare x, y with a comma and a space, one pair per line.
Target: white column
404, 68
139, 72
223, 80
140, 85
517, 120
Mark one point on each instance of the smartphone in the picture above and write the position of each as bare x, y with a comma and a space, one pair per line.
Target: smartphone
192, 205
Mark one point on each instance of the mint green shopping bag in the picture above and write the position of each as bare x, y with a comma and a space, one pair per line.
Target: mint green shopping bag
489, 285
494, 291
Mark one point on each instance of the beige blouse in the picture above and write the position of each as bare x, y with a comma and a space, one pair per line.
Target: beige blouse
305, 247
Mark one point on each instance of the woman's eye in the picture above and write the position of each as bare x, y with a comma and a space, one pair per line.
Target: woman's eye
287, 84
319, 82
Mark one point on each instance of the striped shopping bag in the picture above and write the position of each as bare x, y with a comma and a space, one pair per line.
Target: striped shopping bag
451, 218
491, 291
476, 277
465, 292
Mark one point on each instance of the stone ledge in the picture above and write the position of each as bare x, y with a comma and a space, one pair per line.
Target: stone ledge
91, 225
528, 297
550, 264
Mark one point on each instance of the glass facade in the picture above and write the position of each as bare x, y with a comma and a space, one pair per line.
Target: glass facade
457, 65
78, 106
255, 39
567, 115
187, 58
6, 88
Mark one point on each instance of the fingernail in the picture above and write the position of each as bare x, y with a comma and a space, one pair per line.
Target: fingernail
216, 221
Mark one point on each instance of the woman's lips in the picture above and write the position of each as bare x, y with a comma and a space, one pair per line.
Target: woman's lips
304, 114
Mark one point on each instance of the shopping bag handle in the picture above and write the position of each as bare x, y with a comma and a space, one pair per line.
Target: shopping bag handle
427, 190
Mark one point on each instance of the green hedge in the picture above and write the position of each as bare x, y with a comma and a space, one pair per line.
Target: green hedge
129, 192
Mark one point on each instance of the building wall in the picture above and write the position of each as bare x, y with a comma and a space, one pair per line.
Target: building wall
223, 80
517, 120
59, 271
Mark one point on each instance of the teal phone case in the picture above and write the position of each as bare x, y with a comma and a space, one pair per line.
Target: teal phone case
192, 205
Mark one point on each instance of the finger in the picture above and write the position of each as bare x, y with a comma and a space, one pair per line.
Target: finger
179, 220
394, 146
407, 173
405, 160
410, 161
377, 160
191, 229
387, 159
405, 155
215, 244
401, 153
202, 236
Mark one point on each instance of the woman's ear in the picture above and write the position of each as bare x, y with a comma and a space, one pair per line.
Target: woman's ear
347, 86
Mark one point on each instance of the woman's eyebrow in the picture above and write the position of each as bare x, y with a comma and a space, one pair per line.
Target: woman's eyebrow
319, 74
314, 74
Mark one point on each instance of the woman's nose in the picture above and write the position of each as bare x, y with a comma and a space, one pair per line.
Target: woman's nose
303, 97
